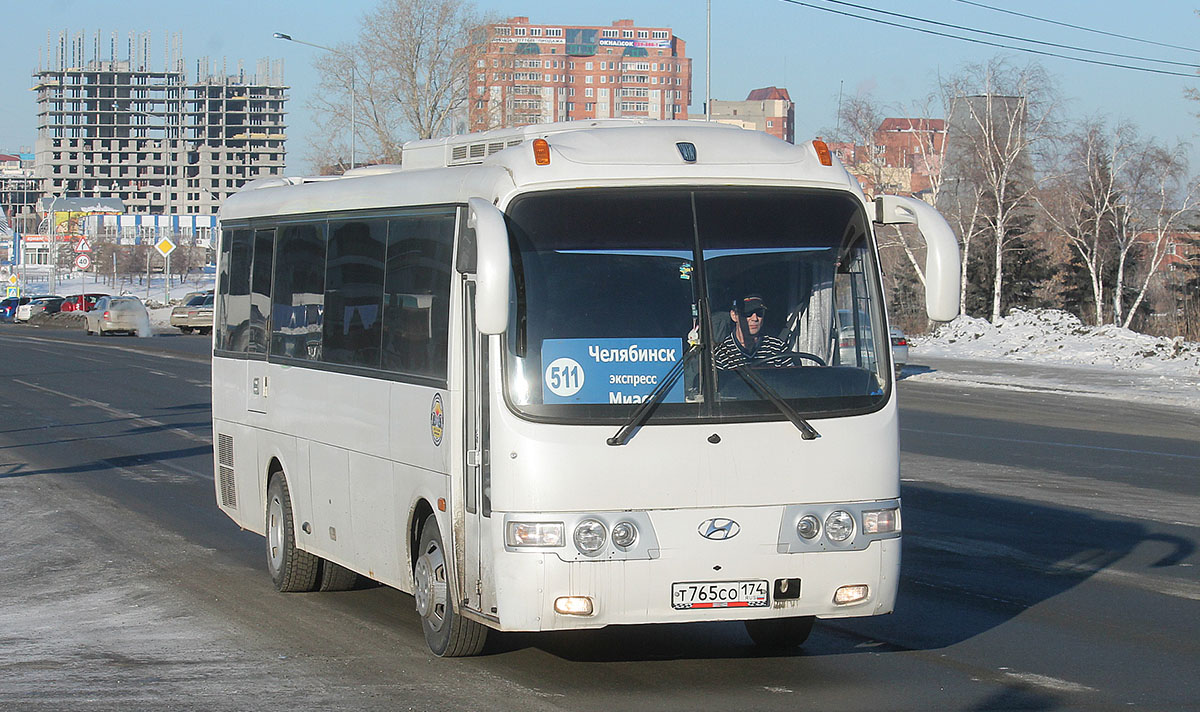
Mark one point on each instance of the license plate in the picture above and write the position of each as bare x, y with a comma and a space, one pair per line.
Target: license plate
719, 594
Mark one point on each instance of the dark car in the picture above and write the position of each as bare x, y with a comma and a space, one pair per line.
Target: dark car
8, 307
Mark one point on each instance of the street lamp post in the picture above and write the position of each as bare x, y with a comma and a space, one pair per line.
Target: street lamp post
353, 98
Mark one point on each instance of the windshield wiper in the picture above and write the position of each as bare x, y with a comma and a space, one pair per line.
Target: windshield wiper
646, 407
806, 431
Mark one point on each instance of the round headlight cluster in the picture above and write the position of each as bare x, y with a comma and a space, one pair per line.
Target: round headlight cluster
839, 526
808, 526
624, 534
590, 536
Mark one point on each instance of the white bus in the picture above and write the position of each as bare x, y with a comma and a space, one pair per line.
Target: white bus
505, 378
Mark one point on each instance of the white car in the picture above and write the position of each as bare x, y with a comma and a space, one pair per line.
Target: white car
36, 305
113, 314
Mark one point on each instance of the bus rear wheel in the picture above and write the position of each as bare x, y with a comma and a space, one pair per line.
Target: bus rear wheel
292, 570
448, 634
780, 633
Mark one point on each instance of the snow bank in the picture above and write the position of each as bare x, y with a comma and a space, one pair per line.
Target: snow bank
1052, 336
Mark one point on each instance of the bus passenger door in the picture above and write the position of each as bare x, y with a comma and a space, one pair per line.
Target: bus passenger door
476, 465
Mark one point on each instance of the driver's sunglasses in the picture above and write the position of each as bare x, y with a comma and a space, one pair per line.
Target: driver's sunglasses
759, 312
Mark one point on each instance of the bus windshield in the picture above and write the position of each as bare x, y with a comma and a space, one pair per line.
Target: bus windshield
613, 287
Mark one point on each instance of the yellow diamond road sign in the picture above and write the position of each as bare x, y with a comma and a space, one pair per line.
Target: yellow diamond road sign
165, 246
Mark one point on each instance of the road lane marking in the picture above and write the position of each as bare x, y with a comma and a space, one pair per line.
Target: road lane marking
124, 415
1021, 441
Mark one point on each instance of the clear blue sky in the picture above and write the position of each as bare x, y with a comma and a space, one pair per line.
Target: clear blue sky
755, 43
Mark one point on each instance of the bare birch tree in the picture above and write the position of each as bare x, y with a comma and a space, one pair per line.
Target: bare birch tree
1159, 194
409, 69
1001, 117
1083, 201
859, 118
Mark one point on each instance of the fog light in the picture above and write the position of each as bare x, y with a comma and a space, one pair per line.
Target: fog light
624, 534
808, 526
839, 526
881, 521
534, 534
590, 536
850, 594
573, 605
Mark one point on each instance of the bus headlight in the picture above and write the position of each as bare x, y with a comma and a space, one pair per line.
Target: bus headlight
534, 534
590, 536
881, 521
624, 534
839, 526
808, 526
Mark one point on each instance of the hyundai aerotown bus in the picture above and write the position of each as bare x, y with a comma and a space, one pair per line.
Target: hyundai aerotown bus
504, 377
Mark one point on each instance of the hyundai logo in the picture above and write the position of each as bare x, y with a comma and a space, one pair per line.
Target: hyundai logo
719, 529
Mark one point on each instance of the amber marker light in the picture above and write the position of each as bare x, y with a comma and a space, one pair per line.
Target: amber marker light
823, 154
541, 152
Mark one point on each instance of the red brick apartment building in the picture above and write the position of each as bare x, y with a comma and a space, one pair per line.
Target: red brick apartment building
904, 154
539, 73
769, 109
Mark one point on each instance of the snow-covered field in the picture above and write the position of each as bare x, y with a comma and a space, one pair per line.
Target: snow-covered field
1049, 336
1053, 351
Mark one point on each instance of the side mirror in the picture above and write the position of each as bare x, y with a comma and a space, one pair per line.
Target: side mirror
943, 269
493, 266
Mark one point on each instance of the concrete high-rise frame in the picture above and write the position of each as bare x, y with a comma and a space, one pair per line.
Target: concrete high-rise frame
121, 129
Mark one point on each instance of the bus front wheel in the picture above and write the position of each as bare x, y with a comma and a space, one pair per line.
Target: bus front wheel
448, 634
780, 633
292, 570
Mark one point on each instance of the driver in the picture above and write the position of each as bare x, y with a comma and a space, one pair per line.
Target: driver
748, 345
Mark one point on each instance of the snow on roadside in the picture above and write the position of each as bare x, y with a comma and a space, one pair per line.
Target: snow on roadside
1051, 336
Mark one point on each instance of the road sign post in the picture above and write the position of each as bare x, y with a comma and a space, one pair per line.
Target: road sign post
165, 247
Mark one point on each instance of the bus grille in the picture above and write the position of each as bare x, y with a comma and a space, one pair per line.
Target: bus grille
225, 477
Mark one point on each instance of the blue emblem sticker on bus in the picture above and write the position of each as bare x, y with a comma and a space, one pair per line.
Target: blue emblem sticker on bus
437, 420
608, 370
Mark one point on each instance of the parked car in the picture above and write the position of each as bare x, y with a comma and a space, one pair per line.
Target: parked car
113, 314
81, 302
199, 316
899, 349
8, 307
848, 348
38, 305
179, 315
12, 312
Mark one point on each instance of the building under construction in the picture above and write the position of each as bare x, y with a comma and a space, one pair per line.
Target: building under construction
117, 127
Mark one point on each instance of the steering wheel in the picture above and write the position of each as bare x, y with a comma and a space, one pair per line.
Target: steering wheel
810, 357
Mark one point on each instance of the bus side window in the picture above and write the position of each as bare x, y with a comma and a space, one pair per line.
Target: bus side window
299, 292
255, 336
416, 306
233, 290
352, 331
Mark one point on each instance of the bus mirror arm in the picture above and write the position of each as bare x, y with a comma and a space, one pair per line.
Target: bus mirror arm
493, 266
942, 265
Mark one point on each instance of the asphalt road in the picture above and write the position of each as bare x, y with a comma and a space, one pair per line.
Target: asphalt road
1050, 562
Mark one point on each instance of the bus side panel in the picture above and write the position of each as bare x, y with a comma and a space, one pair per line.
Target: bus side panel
239, 491
379, 523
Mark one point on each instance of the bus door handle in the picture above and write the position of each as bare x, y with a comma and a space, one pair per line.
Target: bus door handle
473, 458
255, 387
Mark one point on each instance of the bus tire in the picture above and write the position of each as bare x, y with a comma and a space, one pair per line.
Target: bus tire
292, 570
448, 634
335, 577
780, 633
